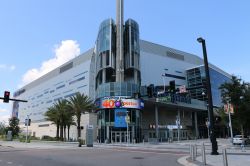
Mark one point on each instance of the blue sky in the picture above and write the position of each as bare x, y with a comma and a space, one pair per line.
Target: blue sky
37, 33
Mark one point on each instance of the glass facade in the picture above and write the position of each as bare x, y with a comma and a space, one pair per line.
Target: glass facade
117, 89
111, 134
105, 53
107, 87
196, 79
131, 44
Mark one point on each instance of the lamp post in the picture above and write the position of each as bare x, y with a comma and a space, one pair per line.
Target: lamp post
127, 118
206, 105
228, 99
178, 124
27, 125
210, 101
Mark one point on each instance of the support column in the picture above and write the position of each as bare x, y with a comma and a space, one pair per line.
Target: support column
156, 122
196, 125
133, 133
107, 132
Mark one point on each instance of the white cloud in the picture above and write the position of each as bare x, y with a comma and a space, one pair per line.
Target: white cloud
3, 110
4, 119
7, 67
4, 114
12, 67
64, 52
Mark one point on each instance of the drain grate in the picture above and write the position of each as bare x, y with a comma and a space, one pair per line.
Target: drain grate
138, 158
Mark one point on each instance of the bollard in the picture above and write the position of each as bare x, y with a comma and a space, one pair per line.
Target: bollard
225, 163
192, 152
242, 146
203, 154
195, 151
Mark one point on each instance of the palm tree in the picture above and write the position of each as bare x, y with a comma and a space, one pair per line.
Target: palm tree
62, 108
52, 115
69, 121
80, 103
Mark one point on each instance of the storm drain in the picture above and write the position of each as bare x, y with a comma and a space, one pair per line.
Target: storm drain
138, 158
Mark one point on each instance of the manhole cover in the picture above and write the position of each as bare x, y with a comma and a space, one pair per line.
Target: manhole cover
138, 158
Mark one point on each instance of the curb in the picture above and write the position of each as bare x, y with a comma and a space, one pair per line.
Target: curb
183, 161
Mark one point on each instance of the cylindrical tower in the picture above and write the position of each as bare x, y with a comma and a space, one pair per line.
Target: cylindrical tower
105, 53
131, 52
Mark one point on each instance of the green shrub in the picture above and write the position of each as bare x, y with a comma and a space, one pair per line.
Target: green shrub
23, 139
81, 142
48, 138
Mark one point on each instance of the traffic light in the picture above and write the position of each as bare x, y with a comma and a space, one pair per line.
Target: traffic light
172, 86
6, 96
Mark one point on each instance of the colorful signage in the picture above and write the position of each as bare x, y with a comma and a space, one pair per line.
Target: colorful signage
120, 117
173, 98
119, 102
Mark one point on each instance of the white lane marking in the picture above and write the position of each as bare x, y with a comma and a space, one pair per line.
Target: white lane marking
0, 160
9, 162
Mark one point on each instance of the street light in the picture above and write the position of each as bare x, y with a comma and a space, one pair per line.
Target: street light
210, 101
27, 125
127, 118
206, 105
228, 99
178, 123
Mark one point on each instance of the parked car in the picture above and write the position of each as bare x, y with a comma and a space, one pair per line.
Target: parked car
239, 139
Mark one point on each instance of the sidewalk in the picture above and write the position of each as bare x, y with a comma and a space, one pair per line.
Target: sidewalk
40, 144
236, 157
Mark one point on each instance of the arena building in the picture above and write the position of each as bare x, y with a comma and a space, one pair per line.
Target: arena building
143, 91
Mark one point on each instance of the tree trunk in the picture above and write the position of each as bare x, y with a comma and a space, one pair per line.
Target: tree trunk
57, 130
61, 132
79, 126
65, 133
68, 131
241, 129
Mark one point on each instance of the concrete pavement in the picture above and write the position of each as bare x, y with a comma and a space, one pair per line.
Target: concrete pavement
236, 156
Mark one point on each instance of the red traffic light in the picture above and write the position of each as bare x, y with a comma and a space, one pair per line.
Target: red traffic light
6, 96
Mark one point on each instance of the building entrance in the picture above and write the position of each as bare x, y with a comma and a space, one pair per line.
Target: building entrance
120, 136
113, 129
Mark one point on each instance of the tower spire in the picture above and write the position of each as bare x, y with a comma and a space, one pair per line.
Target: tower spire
119, 42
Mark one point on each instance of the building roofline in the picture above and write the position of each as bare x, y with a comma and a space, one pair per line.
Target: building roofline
84, 57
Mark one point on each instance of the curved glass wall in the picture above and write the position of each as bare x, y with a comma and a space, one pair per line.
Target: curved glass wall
117, 89
131, 44
105, 52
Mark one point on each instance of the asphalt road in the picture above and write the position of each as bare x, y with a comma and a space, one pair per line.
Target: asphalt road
87, 157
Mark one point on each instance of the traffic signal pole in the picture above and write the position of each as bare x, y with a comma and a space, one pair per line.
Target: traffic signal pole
7, 98
14, 100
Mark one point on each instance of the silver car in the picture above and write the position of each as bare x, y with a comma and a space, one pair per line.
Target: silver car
239, 139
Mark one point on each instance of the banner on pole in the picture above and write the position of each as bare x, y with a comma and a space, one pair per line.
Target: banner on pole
231, 108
